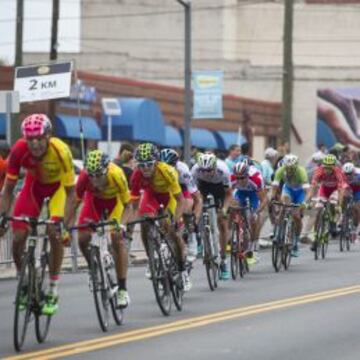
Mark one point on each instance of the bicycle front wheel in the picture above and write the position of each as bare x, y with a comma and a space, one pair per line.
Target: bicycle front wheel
42, 322
23, 301
235, 259
288, 243
209, 261
100, 292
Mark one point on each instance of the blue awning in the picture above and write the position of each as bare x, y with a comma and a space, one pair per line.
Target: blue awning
227, 138
69, 127
202, 138
2, 124
140, 120
172, 137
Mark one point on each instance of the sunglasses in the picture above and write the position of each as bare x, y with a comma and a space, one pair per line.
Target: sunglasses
146, 164
206, 170
241, 177
97, 175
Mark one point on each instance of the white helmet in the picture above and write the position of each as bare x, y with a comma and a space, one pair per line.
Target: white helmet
290, 160
318, 157
207, 161
270, 153
348, 168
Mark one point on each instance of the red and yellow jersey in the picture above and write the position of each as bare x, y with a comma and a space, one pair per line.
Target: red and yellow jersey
3, 166
164, 180
56, 166
116, 187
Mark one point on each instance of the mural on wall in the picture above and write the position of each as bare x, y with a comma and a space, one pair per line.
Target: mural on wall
338, 117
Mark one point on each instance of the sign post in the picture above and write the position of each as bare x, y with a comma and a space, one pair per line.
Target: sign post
111, 107
9, 104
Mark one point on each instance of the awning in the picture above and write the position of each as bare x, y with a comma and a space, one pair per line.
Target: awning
140, 120
227, 138
172, 137
202, 138
69, 127
2, 124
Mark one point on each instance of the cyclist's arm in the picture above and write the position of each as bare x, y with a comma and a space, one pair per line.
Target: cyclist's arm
70, 206
180, 205
127, 214
263, 200
228, 199
7, 196
198, 202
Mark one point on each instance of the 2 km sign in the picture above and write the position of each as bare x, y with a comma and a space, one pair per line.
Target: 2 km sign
43, 82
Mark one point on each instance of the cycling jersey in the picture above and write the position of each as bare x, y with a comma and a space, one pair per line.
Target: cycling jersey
55, 166
110, 199
335, 179
353, 180
159, 189
185, 178
254, 182
220, 175
295, 180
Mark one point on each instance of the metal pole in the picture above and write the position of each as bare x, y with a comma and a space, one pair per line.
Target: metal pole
187, 75
19, 32
82, 140
109, 135
287, 92
8, 117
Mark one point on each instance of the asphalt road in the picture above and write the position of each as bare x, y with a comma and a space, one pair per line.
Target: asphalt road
309, 312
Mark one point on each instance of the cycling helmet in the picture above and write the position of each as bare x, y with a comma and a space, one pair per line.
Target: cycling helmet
348, 168
270, 153
290, 160
329, 160
146, 152
35, 125
241, 168
207, 161
169, 156
318, 156
96, 163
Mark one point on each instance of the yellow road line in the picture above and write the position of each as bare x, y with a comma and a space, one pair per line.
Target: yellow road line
145, 333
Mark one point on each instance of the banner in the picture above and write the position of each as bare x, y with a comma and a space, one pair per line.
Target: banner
208, 93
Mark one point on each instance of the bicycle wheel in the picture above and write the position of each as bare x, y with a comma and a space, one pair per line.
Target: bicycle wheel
160, 279
209, 261
42, 322
319, 235
349, 233
118, 313
288, 243
100, 292
246, 240
23, 301
235, 258
276, 250
343, 234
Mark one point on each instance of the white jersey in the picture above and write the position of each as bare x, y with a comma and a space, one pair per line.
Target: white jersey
186, 179
221, 175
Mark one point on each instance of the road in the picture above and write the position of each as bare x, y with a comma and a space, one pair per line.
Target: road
309, 312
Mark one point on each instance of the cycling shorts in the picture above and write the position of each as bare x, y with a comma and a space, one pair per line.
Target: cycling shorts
296, 196
31, 197
325, 192
94, 208
243, 197
216, 190
151, 202
185, 192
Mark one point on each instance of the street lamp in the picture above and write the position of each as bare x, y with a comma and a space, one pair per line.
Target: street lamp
187, 78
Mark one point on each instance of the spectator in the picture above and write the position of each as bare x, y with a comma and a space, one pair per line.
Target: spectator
267, 165
233, 156
125, 159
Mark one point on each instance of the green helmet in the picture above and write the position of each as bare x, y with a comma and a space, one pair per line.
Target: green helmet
146, 152
329, 160
96, 163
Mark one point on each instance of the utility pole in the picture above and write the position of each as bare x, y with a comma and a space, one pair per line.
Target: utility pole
19, 32
287, 89
53, 49
187, 63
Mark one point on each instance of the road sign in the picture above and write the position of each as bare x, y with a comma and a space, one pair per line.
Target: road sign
111, 106
43, 82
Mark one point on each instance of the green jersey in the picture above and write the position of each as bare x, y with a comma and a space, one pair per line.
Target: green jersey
295, 180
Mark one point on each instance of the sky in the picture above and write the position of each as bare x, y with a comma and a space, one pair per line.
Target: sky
37, 27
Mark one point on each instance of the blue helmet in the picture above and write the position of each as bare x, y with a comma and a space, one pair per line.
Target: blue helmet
169, 156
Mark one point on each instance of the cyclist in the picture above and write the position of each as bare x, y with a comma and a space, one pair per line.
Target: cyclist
192, 196
103, 188
331, 179
353, 180
295, 188
49, 174
212, 177
155, 184
249, 188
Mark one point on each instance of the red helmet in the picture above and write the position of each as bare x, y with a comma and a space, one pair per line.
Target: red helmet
241, 168
35, 125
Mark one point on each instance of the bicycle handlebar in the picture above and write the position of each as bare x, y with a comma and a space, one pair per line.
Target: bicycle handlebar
33, 221
94, 226
147, 219
279, 203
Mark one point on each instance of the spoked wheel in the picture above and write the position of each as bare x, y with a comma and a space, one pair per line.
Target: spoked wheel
160, 279
324, 247
42, 322
350, 227
246, 240
23, 302
286, 254
118, 313
343, 233
209, 261
235, 259
100, 291
177, 290
319, 233
276, 253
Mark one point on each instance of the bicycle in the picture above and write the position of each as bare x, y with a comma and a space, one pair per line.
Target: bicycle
240, 239
103, 279
347, 225
165, 275
31, 288
284, 237
211, 243
322, 229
